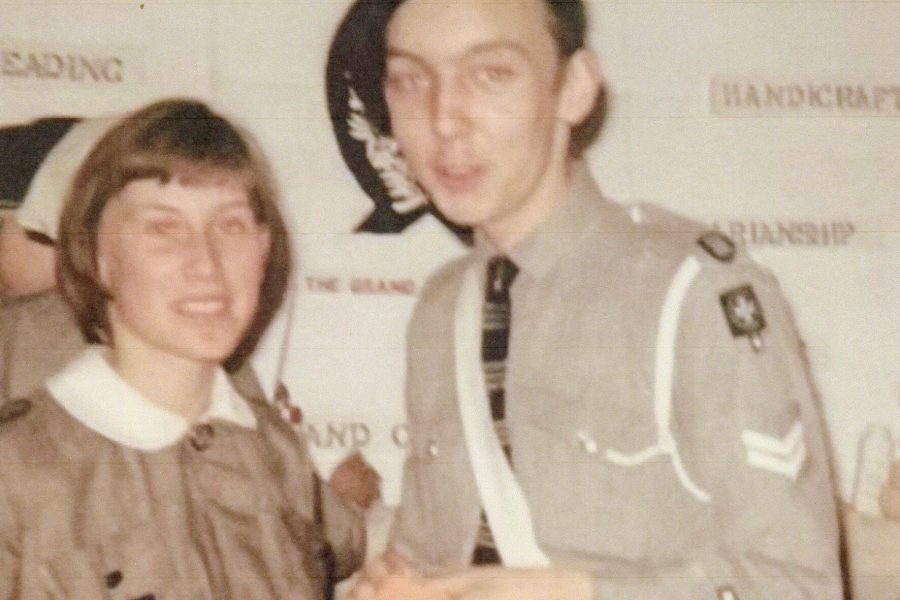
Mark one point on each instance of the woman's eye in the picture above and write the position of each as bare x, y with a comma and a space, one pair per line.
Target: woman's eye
164, 227
235, 226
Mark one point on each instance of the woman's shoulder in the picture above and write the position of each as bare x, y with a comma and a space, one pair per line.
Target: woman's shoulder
29, 428
22, 419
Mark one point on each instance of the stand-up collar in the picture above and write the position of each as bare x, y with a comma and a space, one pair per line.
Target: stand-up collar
92, 392
582, 210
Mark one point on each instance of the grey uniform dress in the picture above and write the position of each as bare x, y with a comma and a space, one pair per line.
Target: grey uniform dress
102, 495
718, 489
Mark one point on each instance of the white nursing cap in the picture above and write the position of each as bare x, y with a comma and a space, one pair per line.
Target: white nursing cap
43, 203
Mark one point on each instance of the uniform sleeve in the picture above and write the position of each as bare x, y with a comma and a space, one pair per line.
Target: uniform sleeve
747, 425
9, 555
7, 319
345, 530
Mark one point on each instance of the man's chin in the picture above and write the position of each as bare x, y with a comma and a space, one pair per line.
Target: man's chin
461, 211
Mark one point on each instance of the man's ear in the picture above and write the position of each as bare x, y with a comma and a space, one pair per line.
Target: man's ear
103, 268
581, 85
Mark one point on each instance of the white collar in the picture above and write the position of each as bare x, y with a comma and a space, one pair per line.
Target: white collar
90, 390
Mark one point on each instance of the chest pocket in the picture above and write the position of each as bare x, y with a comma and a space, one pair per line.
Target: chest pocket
130, 565
580, 501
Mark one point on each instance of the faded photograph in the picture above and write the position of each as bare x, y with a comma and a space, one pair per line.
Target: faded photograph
488, 299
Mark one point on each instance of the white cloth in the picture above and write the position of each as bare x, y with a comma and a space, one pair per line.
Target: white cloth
93, 393
501, 496
42, 205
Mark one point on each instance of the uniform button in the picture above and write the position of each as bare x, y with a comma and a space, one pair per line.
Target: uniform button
587, 443
113, 579
202, 437
433, 449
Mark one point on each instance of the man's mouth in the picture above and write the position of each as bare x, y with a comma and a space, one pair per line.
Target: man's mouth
458, 177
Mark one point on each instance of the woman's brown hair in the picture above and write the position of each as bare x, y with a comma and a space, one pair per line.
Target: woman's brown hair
169, 139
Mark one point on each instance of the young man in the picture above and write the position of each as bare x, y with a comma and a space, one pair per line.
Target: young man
642, 426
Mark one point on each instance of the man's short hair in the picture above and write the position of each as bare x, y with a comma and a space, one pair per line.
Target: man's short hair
169, 139
364, 31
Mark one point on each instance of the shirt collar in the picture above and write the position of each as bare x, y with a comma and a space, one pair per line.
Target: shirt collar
92, 392
583, 210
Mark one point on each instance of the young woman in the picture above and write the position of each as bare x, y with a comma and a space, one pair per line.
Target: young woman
144, 470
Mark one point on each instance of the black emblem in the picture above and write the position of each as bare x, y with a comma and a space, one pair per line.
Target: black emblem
744, 314
14, 409
359, 118
718, 245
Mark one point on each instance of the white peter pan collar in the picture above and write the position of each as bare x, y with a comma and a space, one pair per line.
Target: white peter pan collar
90, 390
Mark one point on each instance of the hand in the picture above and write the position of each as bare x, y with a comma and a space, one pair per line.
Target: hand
356, 482
890, 495
498, 583
391, 577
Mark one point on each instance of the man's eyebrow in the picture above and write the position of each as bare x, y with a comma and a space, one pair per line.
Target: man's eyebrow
482, 48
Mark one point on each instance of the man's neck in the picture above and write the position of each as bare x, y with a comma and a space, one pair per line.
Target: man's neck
506, 232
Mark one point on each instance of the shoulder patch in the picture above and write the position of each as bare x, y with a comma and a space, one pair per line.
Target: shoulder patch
718, 245
14, 409
742, 309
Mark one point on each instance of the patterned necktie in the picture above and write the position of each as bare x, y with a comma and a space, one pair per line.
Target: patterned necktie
494, 348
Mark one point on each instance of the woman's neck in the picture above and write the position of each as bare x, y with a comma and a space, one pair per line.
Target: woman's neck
176, 384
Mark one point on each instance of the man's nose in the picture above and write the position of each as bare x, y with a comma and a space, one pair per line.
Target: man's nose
450, 108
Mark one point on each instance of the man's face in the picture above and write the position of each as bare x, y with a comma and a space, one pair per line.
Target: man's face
26, 266
183, 265
473, 91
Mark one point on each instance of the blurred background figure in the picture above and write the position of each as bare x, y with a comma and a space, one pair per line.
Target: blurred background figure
37, 333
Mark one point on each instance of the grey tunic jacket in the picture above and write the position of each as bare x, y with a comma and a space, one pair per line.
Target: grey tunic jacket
231, 513
742, 508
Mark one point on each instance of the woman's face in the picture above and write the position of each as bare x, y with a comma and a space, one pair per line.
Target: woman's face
183, 264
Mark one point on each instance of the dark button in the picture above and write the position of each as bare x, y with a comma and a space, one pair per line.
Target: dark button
113, 579
202, 437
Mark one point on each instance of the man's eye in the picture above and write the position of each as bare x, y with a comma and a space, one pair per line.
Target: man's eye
494, 74
406, 81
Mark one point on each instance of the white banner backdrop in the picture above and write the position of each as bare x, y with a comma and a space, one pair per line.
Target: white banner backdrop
775, 122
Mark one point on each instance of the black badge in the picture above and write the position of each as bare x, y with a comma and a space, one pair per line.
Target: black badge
742, 309
361, 124
718, 245
14, 409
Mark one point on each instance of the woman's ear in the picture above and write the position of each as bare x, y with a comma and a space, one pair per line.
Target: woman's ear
581, 86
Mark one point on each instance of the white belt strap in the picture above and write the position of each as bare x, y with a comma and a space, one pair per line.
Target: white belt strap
663, 375
502, 499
